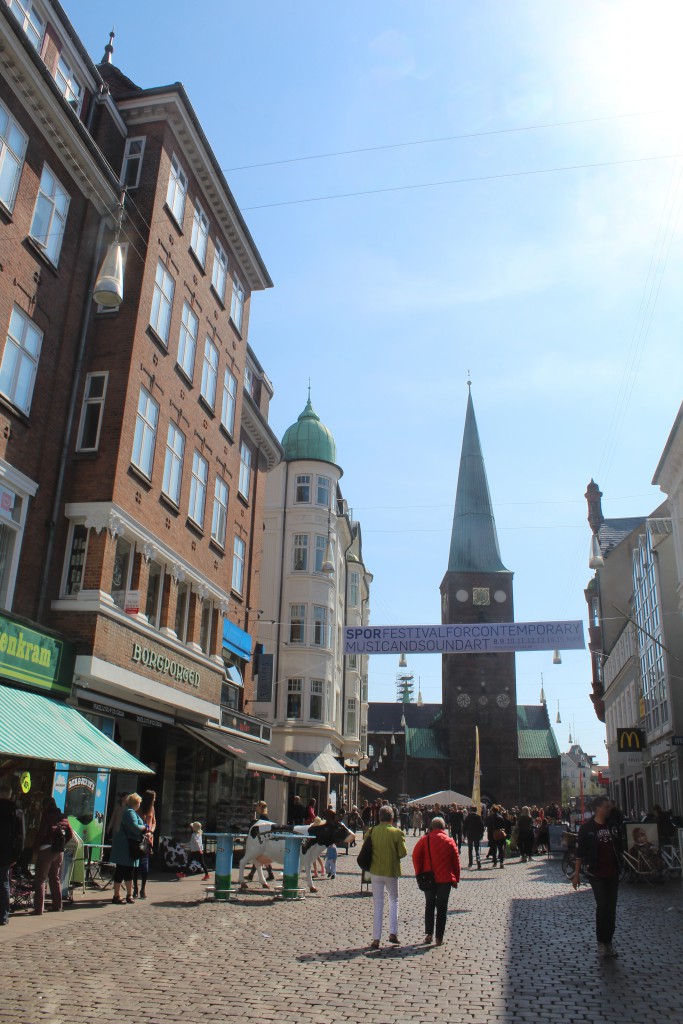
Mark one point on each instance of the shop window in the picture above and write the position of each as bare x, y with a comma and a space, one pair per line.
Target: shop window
121, 571
155, 585
76, 563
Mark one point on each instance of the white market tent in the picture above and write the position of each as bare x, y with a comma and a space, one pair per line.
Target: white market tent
444, 796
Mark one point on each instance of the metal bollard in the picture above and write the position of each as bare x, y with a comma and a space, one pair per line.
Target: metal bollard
291, 867
224, 845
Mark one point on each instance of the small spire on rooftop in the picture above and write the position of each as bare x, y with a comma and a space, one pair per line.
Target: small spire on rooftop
109, 48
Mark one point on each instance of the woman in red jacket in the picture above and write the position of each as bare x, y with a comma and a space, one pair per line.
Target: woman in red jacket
438, 853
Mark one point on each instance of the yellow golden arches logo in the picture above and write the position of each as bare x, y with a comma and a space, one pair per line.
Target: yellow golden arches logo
630, 739
25, 782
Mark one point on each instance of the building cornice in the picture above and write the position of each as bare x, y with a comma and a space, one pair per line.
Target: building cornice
64, 132
257, 430
171, 104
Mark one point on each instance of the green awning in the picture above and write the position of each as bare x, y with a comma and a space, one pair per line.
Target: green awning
35, 726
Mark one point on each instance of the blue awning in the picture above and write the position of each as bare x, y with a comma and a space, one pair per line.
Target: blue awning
237, 641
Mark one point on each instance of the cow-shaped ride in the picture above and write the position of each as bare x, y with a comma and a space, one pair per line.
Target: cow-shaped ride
263, 848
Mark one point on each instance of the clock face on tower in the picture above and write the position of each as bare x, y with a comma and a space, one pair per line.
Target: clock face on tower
502, 700
480, 596
464, 700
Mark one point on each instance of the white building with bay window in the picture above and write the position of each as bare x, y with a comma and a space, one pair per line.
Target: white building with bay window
313, 583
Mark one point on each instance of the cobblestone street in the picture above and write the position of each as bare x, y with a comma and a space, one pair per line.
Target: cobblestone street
519, 947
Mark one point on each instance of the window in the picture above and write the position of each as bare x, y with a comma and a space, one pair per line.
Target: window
219, 274
20, 360
155, 586
200, 234
316, 709
145, 433
320, 548
92, 412
297, 623
245, 470
69, 86
300, 553
132, 163
12, 151
238, 552
187, 341
177, 191
294, 697
181, 610
302, 494
200, 475
229, 402
354, 589
351, 717
209, 373
31, 22
352, 662
205, 626
162, 303
322, 493
49, 215
249, 384
173, 463
237, 303
76, 561
13, 509
320, 628
121, 571
219, 520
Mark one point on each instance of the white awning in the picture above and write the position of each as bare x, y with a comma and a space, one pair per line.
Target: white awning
371, 785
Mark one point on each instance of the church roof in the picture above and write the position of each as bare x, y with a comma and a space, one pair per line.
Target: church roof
386, 716
535, 737
474, 541
423, 743
308, 438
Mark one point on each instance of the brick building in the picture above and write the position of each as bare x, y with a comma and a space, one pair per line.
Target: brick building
134, 441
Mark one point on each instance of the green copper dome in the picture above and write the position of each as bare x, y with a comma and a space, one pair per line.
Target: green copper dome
308, 438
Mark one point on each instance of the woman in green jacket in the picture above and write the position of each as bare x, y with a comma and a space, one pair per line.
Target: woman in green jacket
388, 849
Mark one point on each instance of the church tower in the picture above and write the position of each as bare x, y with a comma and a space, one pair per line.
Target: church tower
478, 689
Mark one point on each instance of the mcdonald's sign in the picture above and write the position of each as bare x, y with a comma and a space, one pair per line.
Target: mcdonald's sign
630, 739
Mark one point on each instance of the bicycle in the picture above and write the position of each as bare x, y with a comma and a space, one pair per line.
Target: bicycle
672, 859
647, 864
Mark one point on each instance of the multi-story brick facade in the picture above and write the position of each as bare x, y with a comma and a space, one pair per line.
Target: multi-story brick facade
134, 441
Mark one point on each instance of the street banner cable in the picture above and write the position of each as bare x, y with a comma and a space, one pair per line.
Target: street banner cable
472, 638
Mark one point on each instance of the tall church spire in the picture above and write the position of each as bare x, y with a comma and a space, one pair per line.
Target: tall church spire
474, 541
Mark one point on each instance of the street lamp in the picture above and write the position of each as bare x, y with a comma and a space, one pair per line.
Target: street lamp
405, 754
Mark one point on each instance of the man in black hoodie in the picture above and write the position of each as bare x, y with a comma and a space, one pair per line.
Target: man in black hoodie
12, 833
473, 829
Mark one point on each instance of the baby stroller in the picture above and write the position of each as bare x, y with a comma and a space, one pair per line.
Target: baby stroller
20, 891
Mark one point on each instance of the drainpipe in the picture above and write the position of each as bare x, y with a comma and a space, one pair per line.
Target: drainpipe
73, 398
276, 666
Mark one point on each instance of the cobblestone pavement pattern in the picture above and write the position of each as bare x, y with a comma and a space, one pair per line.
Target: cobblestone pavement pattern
519, 947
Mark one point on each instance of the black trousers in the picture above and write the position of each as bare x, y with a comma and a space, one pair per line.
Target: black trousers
605, 891
436, 900
473, 845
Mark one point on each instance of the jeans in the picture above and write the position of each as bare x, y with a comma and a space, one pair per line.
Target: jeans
497, 850
473, 844
436, 899
4, 893
379, 884
605, 891
48, 866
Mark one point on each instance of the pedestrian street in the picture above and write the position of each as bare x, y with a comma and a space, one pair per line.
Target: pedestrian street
519, 946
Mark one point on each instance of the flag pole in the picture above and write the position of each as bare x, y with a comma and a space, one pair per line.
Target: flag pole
476, 787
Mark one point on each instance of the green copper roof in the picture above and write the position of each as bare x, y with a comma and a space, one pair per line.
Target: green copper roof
535, 737
308, 438
423, 743
474, 541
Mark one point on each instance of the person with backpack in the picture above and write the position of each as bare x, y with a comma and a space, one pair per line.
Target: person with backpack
12, 834
54, 832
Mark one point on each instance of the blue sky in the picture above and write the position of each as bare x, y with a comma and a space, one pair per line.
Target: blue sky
558, 291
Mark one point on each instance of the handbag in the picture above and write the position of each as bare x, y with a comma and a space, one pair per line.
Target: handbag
499, 834
364, 858
425, 879
137, 848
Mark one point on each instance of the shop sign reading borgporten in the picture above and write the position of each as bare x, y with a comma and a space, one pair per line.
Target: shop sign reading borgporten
165, 666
